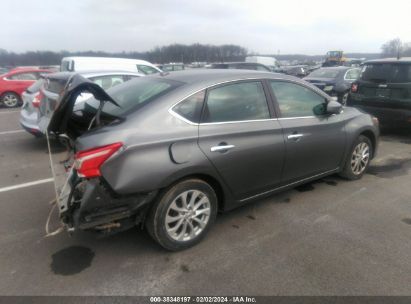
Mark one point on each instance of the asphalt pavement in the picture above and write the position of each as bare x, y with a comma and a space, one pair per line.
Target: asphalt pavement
330, 237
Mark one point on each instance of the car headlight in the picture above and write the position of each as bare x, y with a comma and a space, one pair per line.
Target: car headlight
328, 88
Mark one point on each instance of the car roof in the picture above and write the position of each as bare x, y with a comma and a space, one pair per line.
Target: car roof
342, 68
89, 74
390, 60
25, 70
209, 77
118, 59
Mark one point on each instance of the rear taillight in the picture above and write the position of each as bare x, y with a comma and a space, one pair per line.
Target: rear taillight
37, 100
354, 88
88, 162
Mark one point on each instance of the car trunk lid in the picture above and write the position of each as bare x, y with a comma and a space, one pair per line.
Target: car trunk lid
321, 83
59, 99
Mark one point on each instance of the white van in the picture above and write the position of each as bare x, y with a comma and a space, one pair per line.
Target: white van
271, 62
79, 64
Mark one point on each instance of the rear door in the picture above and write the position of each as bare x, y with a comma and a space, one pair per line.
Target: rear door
241, 137
315, 141
21, 81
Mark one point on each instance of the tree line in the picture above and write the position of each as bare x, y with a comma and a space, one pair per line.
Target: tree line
171, 53
396, 48
185, 53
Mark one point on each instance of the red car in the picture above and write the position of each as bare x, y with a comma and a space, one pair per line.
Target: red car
15, 82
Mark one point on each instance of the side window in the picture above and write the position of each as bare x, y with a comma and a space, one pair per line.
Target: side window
129, 77
262, 68
246, 67
146, 69
190, 108
297, 101
23, 76
116, 80
353, 74
236, 102
168, 68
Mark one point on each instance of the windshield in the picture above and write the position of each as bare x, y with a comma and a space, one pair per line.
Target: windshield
325, 73
386, 72
134, 94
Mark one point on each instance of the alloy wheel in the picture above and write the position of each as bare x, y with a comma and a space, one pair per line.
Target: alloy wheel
360, 158
344, 99
188, 215
10, 100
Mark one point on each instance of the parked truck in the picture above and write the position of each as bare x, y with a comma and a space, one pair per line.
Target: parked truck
334, 58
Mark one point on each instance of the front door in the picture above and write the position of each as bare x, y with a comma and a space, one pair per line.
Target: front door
315, 141
241, 138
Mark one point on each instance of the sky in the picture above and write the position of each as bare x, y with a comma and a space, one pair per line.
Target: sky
310, 27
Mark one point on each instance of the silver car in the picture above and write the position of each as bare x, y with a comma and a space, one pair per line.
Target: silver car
169, 151
50, 86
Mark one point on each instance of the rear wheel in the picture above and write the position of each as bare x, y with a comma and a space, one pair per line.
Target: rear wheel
183, 214
359, 159
10, 100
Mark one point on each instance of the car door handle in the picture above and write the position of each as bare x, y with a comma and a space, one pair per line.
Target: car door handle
221, 148
295, 136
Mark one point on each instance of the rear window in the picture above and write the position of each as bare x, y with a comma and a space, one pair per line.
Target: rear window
325, 73
55, 85
134, 94
386, 72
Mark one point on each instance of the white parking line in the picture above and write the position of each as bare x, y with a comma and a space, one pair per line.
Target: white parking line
29, 184
11, 132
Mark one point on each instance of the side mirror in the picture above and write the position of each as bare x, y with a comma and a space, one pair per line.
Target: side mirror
334, 107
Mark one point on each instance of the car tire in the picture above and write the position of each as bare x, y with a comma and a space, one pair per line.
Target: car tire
358, 160
10, 100
343, 98
182, 215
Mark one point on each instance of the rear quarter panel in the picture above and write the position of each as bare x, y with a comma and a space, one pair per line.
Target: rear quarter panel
160, 149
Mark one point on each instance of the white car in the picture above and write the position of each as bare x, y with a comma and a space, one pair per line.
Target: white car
79, 64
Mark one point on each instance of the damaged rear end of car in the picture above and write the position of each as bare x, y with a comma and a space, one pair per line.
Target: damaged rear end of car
95, 142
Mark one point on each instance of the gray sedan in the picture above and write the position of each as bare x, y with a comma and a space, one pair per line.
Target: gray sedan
170, 151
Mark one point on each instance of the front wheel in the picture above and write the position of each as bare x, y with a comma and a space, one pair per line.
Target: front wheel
182, 215
358, 160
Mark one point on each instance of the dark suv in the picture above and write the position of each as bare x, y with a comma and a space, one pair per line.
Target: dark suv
384, 90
